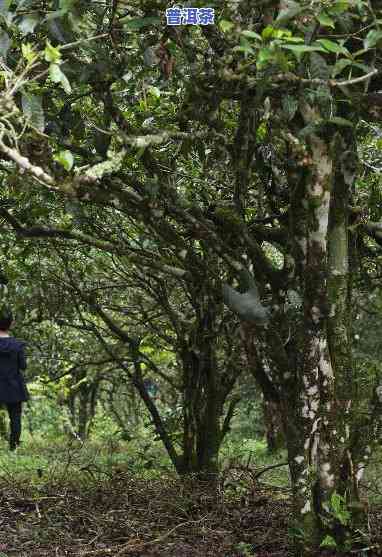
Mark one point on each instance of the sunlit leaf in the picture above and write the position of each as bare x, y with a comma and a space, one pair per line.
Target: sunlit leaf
65, 158
278, 35
335, 502
251, 35
58, 76
332, 46
65, 83
328, 541
154, 91
267, 32
52, 54
28, 53
325, 20
55, 73
265, 55
296, 40
226, 25
300, 49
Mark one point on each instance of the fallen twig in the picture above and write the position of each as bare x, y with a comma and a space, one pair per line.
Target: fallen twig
132, 548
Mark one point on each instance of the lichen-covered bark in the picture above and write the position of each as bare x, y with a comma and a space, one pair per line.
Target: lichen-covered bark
312, 467
309, 376
324, 463
338, 299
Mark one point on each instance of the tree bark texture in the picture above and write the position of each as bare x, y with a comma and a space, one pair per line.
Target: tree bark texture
311, 376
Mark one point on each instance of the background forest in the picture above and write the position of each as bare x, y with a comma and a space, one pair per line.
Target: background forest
191, 236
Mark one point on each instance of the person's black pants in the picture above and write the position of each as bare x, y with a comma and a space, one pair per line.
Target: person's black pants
14, 412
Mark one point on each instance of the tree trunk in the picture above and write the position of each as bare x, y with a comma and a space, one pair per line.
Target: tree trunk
273, 426
83, 416
202, 411
207, 384
209, 429
87, 403
310, 376
321, 461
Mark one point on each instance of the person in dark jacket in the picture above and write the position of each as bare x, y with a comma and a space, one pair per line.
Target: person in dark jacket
13, 391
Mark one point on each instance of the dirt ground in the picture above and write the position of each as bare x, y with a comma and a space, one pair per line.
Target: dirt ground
164, 517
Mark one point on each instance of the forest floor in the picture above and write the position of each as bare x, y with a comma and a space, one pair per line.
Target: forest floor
116, 512
140, 517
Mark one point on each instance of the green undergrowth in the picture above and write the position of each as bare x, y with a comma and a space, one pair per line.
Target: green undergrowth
41, 460
252, 454
57, 459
